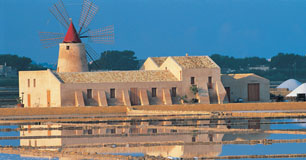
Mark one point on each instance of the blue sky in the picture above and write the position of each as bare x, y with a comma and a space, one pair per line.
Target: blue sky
165, 27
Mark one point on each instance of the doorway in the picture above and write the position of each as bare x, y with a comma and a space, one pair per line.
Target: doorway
134, 96
29, 100
253, 92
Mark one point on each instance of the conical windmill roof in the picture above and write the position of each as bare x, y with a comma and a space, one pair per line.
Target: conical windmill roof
291, 84
71, 35
299, 90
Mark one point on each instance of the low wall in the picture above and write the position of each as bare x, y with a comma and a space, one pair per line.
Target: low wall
280, 106
61, 111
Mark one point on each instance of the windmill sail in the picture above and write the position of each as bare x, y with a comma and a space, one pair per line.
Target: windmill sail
102, 35
92, 55
89, 10
58, 10
50, 39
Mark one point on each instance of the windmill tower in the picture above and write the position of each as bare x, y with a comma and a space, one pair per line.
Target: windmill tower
73, 54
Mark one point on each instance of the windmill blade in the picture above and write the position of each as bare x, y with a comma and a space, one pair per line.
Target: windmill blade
49, 39
89, 10
102, 35
60, 13
91, 55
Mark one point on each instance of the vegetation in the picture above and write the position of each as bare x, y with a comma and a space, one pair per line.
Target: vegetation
116, 60
194, 89
20, 63
281, 67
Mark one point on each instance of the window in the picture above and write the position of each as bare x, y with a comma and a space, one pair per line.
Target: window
211, 137
112, 93
193, 139
153, 92
29, 82
110, 131
34, 82
87, 131
191, 80
67, 47
173, 131
152, 130
89, 93
173, 92
209, 79
210, 86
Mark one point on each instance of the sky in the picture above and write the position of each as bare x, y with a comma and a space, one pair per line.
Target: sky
239, 28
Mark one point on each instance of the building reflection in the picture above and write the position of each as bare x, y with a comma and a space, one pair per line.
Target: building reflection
139, 132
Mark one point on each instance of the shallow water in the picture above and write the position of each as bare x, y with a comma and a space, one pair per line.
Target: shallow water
121, 136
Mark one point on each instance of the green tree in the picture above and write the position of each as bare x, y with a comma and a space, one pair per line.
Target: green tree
117, 60
288, 61
20, 63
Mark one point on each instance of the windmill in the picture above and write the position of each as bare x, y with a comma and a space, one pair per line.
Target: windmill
73, 54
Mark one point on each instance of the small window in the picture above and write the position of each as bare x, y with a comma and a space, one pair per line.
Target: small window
34, 82
87, 131
152, 130
110, 131
191, 80
209, 79
29, 82
210, 86
153, 92
173, 92
173, 131
67, 47
112, 93
211, 137
89, 93
193, 139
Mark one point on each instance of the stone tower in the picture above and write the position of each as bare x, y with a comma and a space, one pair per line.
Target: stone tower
72, 53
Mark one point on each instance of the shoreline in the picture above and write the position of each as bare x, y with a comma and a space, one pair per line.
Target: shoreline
165, 109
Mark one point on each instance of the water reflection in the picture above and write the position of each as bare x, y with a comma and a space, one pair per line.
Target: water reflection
173, 138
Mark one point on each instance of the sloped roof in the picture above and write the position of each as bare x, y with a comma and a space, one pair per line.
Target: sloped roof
159, 60
299, 90
192, 62
71, 35
242, 75
291, 84
117, 76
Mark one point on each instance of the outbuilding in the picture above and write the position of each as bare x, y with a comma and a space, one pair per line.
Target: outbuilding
247, 87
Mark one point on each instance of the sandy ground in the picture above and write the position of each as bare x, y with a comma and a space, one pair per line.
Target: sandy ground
285, 106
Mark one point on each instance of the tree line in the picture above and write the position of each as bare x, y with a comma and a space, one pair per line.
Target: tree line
20, 63
280, 67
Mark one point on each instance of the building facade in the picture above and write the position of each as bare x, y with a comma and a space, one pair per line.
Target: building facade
246, 88
160, 81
